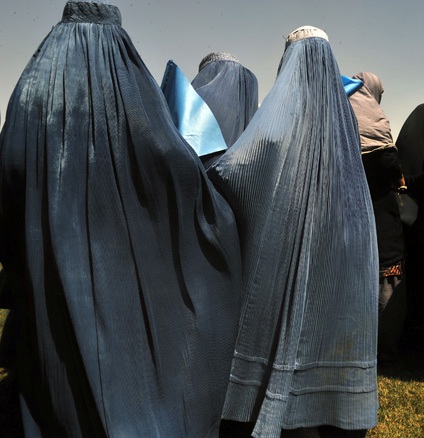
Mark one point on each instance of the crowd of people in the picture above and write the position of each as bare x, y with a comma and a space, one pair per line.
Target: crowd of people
161, 286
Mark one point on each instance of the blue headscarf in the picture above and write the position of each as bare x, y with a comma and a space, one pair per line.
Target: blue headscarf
190, 113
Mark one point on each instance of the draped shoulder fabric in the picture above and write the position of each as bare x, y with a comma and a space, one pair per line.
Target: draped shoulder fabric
190, 113
351, 85
306, 349
374, 126
125, 259
410, 144
230, 90
382, 167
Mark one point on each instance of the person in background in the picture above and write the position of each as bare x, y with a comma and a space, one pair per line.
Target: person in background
231, 92
385, 180
305, 357
410, 144
2, 281
122, 258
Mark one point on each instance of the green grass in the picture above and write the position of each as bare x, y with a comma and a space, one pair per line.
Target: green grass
401, 394
3, 314
9, 407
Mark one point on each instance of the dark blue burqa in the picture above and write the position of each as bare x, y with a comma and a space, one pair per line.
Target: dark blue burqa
231, 92
122, 259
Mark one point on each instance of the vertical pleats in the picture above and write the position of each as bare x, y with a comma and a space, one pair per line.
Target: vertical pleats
231, 92
127, 258
298, 189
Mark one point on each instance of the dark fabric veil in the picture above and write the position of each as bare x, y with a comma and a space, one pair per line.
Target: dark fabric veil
410, 142
231, 92
123, 259
306, 349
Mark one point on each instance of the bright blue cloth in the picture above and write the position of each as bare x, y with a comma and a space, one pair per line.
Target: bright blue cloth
351, 85
192, 116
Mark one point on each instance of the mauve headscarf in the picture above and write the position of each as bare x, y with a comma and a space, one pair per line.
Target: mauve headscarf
374, 127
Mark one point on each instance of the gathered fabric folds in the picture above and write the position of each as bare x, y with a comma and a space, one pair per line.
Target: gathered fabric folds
410, 144
382, 167
123, 260
190, 113
374, 126
306, 349
231, 92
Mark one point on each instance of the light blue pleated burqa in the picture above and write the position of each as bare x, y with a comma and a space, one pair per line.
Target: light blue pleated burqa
306, 349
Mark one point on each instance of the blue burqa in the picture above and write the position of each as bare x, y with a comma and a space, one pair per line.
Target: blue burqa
122, 260
231, 92
306, 349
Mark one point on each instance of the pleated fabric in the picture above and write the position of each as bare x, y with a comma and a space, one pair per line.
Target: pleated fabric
124, 260
306, 349
230, 90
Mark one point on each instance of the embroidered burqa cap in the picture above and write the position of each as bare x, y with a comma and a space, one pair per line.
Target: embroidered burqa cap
306, 349
123, 259
305, 32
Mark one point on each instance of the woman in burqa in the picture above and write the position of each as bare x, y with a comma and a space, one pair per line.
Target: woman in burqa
410, 144
306, 350
231, 92
385, 178
122, 259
